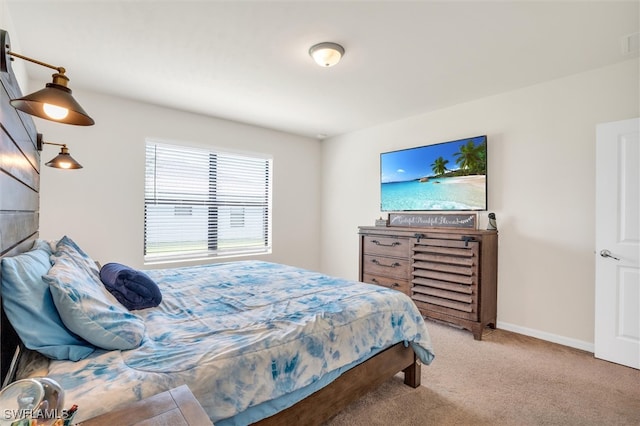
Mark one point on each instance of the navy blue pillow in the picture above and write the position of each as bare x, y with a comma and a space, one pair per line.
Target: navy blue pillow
133, 288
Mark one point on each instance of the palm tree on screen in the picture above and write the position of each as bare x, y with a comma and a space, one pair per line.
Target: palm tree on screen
469, 158
439, 166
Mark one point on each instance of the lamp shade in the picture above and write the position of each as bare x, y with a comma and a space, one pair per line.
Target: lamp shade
64, 160
326, 54
55, 103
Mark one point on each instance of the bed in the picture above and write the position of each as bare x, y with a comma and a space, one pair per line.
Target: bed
254, 341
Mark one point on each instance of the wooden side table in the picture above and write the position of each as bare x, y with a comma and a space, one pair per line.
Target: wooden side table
175, 407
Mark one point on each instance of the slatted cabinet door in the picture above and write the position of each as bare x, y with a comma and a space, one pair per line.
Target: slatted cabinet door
445, 277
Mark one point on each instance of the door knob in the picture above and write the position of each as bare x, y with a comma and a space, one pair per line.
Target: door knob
607, 253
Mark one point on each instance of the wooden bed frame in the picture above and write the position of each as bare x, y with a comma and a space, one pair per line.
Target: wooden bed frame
19, 210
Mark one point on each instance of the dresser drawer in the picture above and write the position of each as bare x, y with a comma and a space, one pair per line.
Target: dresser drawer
386, 266
393, 283
386, 246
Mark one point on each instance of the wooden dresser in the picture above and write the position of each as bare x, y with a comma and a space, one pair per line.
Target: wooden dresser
451, 274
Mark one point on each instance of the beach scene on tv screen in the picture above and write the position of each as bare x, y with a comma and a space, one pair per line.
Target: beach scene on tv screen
445, 176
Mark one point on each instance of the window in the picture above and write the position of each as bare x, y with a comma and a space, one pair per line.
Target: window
203, 203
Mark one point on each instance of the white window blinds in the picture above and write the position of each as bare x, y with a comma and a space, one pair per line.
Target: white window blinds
202, 203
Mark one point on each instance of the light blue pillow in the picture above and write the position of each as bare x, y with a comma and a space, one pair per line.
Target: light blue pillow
85, 306
31, 311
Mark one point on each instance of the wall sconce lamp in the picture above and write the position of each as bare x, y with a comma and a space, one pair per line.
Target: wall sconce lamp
326, 54
63, 160
54, 102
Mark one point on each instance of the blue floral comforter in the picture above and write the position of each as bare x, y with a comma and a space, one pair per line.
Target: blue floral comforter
242, 335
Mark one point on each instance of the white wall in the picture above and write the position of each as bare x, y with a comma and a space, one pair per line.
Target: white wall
18, 66
541, 171
102, 205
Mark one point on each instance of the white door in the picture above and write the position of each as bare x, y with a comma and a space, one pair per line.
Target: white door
617, 327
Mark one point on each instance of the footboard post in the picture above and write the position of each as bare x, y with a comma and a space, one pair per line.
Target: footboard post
412, 374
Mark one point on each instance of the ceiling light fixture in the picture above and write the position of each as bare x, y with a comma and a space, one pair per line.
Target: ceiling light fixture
54, 102
326, 54
63, 160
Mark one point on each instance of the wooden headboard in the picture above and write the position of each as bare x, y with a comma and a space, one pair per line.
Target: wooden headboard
19, 190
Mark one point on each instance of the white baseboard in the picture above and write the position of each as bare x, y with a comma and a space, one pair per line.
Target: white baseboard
550, 337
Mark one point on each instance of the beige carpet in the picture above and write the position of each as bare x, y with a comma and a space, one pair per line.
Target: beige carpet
505, 379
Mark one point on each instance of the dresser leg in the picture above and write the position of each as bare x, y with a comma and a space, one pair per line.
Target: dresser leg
477, 331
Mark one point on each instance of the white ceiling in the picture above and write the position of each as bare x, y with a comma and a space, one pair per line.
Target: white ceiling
249, 62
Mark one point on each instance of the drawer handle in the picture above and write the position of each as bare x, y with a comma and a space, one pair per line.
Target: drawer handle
393, 265
375, 281
378, 243
466, 239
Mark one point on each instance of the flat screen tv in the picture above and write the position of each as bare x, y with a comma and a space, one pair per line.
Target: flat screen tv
448, 176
